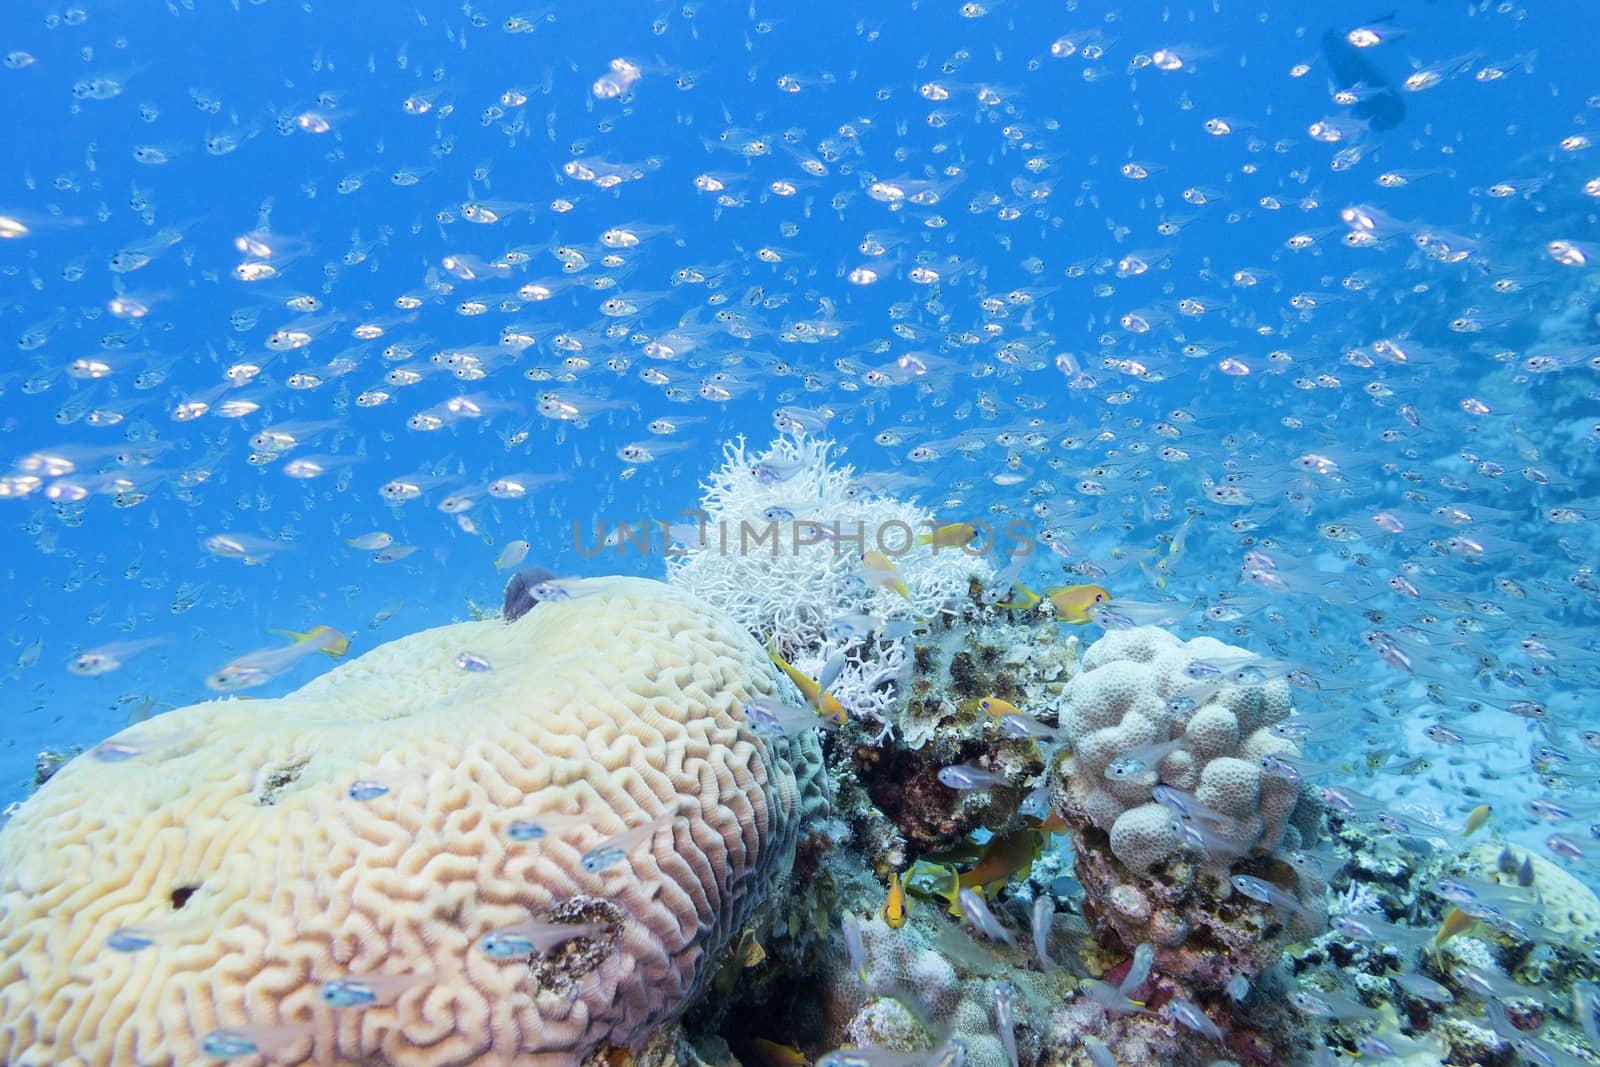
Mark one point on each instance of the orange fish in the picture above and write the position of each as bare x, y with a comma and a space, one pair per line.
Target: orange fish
827, 706
325, 638
997, 707
882, 572
772, 1054
1003, 857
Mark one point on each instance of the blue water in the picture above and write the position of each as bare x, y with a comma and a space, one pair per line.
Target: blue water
88, 574
1482, 399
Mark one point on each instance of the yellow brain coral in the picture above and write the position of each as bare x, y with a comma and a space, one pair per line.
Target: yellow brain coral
214, 868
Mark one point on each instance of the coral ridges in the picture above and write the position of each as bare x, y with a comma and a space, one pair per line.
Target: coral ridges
214, 867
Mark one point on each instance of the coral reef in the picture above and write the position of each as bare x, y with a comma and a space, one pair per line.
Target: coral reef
1482, 955
972, 658
919, 986
960, 661
987, 752
321, 876
930, 982
1150, 715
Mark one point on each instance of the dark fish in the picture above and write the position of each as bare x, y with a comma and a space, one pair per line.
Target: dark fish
520, 596
1379, 104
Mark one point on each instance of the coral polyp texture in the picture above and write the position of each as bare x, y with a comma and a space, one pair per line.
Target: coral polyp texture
584, 782
1192, 720
767, 565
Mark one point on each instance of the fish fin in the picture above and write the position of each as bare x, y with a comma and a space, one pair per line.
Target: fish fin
831, 671
1028, 600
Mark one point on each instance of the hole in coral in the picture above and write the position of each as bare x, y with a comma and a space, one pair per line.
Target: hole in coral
273, 780
180, 896
560, 969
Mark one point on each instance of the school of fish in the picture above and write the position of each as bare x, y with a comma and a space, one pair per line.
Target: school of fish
1218, 318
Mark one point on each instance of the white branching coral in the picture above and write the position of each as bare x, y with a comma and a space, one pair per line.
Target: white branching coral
868, 683
784, 533
1358, 898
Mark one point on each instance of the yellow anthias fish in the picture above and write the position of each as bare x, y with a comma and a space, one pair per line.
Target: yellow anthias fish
1455, 922
998, 708
947, 885
514, 553
1004, 856
884, 573
326, 638
827, 706
1073, 603
955, 535
151, 708
750, 952
1475, 820
894, 904
371, 542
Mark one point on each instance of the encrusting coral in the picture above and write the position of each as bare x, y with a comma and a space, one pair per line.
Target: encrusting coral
586, 781
960, 659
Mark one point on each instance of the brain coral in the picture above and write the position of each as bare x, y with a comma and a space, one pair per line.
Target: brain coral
227, 840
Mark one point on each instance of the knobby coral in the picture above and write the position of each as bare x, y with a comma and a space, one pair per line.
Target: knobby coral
1153, 713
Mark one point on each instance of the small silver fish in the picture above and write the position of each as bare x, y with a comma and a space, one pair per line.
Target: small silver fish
511, 555
1005, 1003
613, 850
964, 776
472, 663
1044, 911
1189, 1014
982, 919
